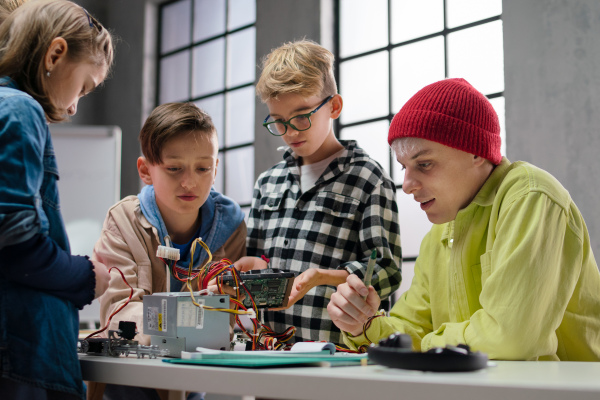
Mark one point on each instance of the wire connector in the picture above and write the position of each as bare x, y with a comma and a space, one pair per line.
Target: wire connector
168, 253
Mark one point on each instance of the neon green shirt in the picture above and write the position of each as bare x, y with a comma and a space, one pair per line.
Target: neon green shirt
512, 276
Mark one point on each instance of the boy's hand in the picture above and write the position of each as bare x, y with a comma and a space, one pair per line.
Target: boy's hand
102, 278
302, 284
348, 310
249, 263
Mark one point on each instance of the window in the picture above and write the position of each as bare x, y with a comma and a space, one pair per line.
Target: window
387, 51
207, 56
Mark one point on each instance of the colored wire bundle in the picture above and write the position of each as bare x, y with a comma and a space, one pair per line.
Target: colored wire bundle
262, 337
363, 348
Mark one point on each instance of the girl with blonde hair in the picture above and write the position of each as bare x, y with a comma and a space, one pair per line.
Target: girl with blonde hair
52, 53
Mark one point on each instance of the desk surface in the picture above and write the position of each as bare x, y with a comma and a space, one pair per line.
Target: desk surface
507, 380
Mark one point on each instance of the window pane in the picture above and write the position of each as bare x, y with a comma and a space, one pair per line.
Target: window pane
408, 273
219, 178
460, 12
365, 83
175, 77
415, 66
413, 223
373, 139
397, 168
240, 116
209, 18
241, 12
241, 57
362, 27
209, 68
498, 104
411, 19
476, 55
214, 106
246, 211
240, 174
175, 26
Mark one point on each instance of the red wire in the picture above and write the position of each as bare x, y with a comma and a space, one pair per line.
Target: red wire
118, 309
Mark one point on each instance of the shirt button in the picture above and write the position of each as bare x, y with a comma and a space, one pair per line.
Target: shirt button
286, 242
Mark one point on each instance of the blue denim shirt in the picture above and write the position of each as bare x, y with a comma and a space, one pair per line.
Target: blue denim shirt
38, 326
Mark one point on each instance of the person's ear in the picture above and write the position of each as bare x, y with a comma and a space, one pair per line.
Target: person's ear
337, 103
144, 171
215, 175
56, 53
478, 161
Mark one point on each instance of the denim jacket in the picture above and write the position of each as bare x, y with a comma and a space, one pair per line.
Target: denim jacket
41, 284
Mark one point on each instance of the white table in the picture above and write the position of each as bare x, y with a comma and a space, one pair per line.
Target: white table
507, 380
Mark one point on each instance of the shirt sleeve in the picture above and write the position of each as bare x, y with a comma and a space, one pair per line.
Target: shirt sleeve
254, 241
41, 264
411, 314
22, 140
113, 251
379, 230
529, 275
235, 247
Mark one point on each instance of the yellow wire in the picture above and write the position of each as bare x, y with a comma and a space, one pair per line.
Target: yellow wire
188, 282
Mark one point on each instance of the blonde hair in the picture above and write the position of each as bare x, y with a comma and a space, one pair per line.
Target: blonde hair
26, 35
168, 121
404, 146
8, 6
302, 67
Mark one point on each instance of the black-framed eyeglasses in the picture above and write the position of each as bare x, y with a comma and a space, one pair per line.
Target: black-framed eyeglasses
299, 122
92, 21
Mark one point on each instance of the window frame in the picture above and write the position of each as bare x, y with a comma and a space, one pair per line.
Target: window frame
189, 48
445, 32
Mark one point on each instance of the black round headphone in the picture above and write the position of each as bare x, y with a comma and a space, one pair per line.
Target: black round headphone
396, 352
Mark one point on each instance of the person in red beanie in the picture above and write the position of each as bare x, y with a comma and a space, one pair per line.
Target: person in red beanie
507, 267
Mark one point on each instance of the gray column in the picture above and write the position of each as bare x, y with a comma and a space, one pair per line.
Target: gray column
552, 77
277, 22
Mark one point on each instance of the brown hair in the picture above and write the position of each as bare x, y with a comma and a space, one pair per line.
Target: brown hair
302, 67
26, 34
168, 121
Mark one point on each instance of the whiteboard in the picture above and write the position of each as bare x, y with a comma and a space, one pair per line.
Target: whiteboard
89, 165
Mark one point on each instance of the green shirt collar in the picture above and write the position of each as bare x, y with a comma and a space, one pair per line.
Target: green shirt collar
485, 197
487, 193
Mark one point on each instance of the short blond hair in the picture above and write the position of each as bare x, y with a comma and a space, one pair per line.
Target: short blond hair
26, 34
302, 67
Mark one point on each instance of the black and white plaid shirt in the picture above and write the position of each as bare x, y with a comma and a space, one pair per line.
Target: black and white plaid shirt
336, 224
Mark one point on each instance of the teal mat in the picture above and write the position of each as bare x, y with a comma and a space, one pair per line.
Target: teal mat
266, 361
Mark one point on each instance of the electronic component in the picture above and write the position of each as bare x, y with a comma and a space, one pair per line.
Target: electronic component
270, 288
168, 253
176, 324
119, 342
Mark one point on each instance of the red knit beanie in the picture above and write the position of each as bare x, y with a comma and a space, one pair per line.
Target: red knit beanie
453, 113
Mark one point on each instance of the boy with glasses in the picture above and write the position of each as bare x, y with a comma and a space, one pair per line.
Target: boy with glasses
323, 209
507, 267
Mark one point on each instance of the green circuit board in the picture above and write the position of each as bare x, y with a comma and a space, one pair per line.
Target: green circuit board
268, 289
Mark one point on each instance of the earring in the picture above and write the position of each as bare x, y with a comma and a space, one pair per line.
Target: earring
48, 74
